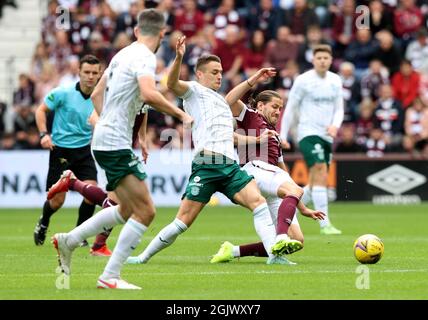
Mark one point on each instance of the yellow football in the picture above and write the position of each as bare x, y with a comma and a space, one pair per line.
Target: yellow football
368, 249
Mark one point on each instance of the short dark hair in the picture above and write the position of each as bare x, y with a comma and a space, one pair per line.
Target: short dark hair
89, 59
323, 48
264, 97
205, 59
150, 22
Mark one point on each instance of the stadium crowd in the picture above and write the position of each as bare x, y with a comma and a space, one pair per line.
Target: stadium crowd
384, 67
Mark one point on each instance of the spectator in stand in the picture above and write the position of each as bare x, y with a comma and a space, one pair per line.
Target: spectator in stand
299, 18
60, 50
415, 140
405, 84
376, 144
284, 79
24, 95
49, 27
39, 59
167, 8
387, 51
189, 19
364, 122
48, 80
266, 18
81, 27
24, 120
417, 50
344, 27
255, 55
231, 52
167, 49
314, 37
361, 51
103, 18
8, 142
71, 74
121, 41
226, 15
380, 17
376, 76
99, 48
389, 117
203, 43
320, 8
348, 143
408, 19
33, 139
351, 91
282, 49
127, 20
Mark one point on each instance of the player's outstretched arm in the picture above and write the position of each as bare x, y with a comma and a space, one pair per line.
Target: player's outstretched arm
142, 137
97, 95
178, 86
234, 95
151, 96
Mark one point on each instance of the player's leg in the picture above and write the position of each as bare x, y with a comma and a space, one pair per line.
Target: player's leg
116, 165
135, 198
228, 251
251, 198
317, 154
99, 247
56, 167
187, 213
277, 186
199, 189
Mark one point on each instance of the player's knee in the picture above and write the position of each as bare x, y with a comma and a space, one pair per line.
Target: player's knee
257, 201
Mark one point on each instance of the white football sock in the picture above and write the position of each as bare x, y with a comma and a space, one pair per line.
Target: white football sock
306, 198
236, 252
163, 239
320, 200
128, 240
265, 228
105, 219
307, 195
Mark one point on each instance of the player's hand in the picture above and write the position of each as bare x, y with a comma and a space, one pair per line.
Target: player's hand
187, 121
180, 47
46, 142
285, 145
266, 134
332, 131
316, 215
144, 150
262, 75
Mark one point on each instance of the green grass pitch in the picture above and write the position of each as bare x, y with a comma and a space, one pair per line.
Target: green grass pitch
326, 267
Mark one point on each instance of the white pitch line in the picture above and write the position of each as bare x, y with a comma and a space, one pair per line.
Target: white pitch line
210, 273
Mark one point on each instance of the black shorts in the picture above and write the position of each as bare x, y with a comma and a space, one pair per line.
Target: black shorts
78, 160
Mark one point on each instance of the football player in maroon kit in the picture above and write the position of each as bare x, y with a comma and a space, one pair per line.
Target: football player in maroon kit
260, 153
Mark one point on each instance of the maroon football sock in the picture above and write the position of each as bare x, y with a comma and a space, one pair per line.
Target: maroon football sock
101, 239
253, 250
286, 213
93, 193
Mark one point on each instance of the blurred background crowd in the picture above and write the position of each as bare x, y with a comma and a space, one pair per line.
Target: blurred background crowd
383, 63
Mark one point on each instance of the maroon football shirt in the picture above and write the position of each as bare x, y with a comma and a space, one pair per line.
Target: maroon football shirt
253, 124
